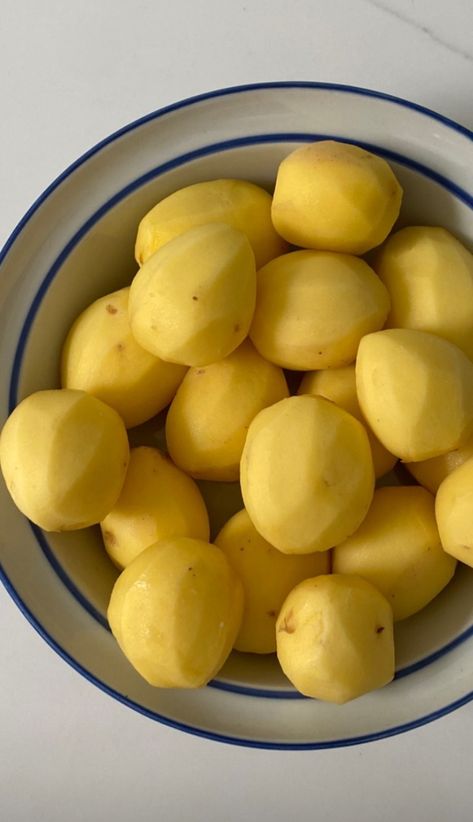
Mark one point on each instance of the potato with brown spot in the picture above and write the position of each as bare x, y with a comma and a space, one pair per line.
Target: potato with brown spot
175, 612
267, 576
101, 356
334, 638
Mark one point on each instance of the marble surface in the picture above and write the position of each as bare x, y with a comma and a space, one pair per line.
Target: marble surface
72, 73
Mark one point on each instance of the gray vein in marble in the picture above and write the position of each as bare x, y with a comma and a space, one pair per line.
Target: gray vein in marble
424, 29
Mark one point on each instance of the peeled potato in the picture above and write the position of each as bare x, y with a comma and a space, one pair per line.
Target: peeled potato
416, 392
313, 308
176, 611
453, 510
431, 473
64, 456
306, 474
336, 197
208, 420
397, 548
157, 501
335, 638
339, 386
192, 302
267, 576
429, 276
237, 203
102, 357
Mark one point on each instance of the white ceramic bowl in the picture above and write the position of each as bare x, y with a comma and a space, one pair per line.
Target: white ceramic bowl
76, 243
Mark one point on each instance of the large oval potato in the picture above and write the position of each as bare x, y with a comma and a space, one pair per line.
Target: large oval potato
335, 196
193, 301
208, 420
431, 473
453, 510
339, 386
64, 456
429, 276
335, 638
416, 392
267, 576
313, 308
101, 356
397, 548
237, 203
158, 501
306, 474
176, 611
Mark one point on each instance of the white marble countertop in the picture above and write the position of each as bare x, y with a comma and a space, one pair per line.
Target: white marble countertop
71, 74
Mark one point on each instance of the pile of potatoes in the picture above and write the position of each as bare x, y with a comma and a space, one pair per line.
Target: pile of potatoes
240, 295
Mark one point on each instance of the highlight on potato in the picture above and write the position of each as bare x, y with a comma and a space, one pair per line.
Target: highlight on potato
309, 560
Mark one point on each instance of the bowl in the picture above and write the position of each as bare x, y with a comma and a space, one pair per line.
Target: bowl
75, 244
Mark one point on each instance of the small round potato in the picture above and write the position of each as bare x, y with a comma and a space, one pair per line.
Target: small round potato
64, 456
397, 548
339, 386
237, 203
193, 301
267, 576
416, 391
429, 276
157, 501
306, 474
208, 420
336, 197
335, 638
453, 510
313, 308
431, 473
176, 611
102, 357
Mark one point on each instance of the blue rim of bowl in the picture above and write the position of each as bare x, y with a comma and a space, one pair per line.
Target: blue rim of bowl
336, 88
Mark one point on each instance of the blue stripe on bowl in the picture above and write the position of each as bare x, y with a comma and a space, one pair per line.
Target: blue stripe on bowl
223, 146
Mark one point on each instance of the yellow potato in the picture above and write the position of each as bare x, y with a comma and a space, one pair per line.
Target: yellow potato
237, 203
193, 301
336, 197
339, 386
101, 356
64, 456
397, 548
335, 638
157, 501
267, 576
313, 308
208, 420
416, 392
306, 474
429, 276
431, 473
453, 510
176, 611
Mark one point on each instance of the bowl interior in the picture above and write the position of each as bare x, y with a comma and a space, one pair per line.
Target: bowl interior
101, 260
